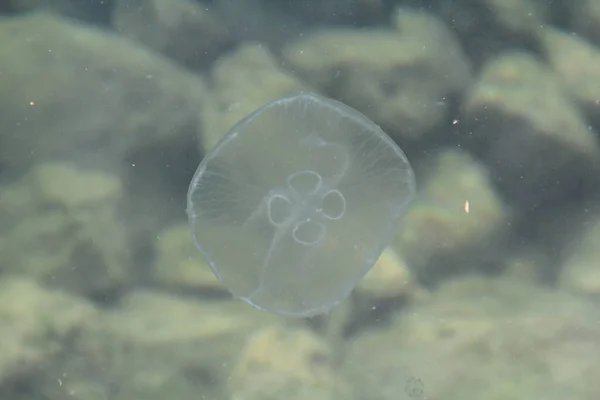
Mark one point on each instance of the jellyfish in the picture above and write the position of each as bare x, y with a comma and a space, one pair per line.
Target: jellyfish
295, 204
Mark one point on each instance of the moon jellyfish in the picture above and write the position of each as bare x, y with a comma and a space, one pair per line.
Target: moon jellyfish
297, 202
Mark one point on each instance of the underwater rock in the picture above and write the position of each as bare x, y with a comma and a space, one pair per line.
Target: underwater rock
544, 344
522, 125
390, 278
403, 79
580, 272
577, 64
488, 27
61, 226
154, 345
79, 93
36, 325
285, 363
241, 82
585, 18
458, 221
182, 30
177, 263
